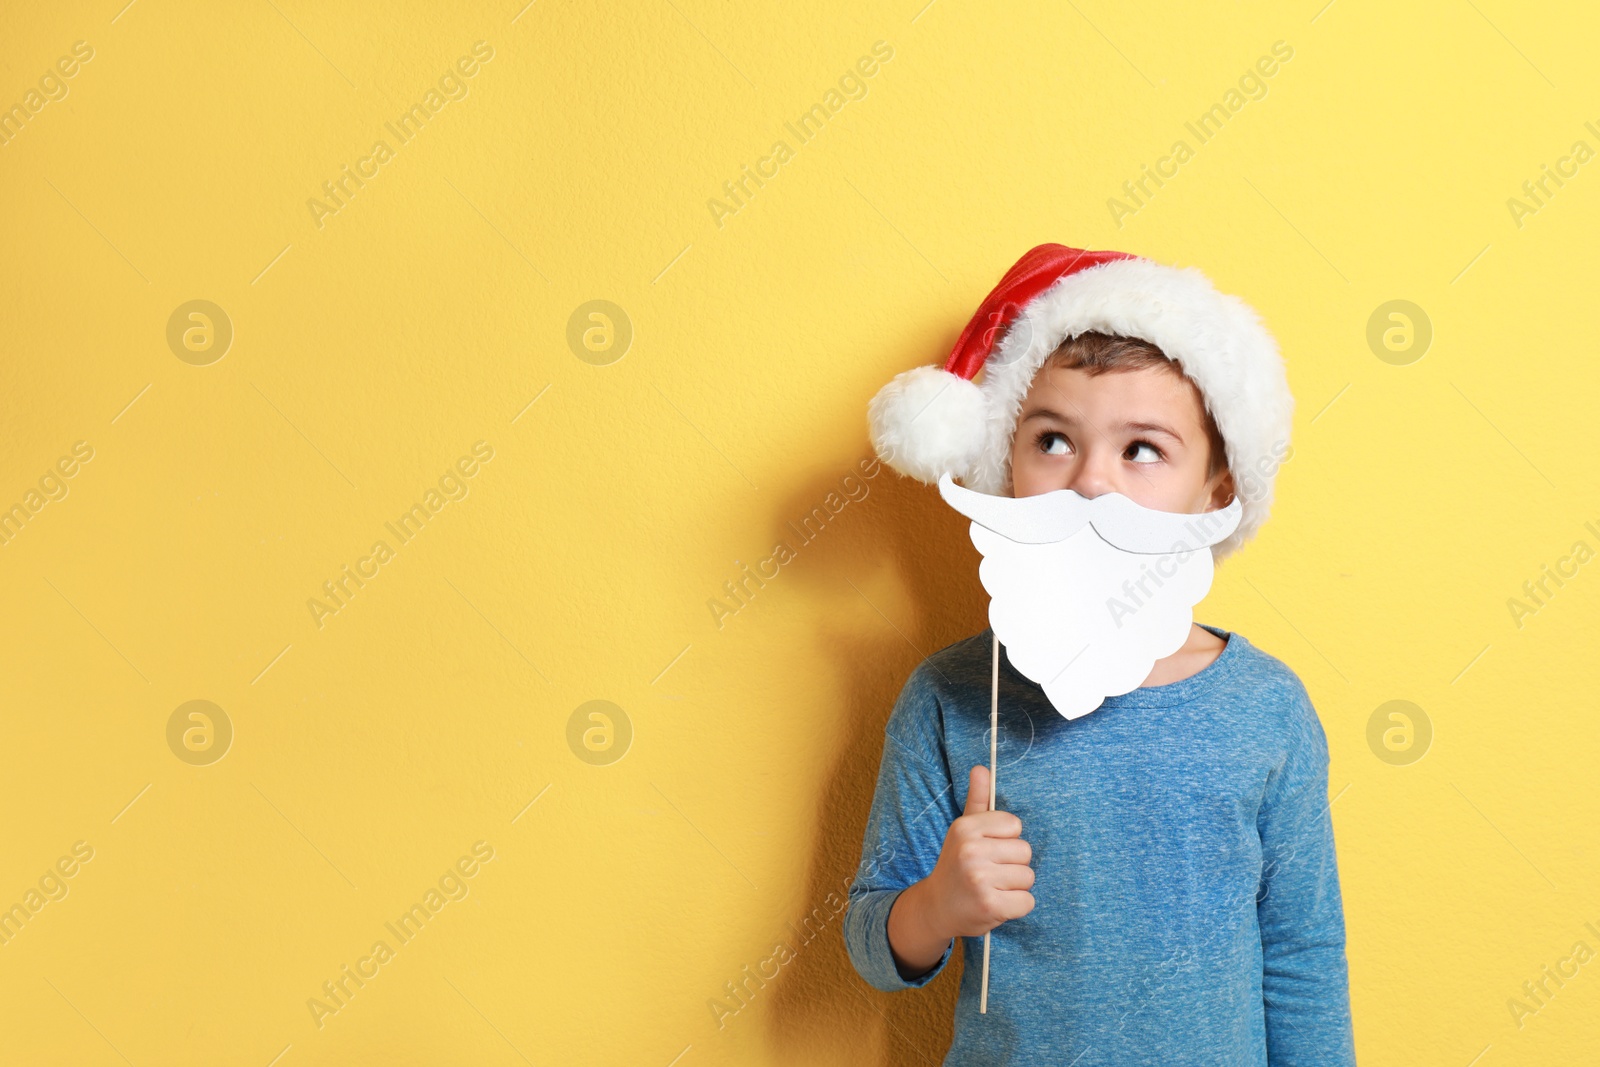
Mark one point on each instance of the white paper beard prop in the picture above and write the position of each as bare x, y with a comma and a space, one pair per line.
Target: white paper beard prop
1086, 594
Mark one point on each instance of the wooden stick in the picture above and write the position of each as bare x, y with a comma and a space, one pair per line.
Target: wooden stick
994, 744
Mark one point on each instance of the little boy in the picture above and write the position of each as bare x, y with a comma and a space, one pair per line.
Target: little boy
1159, 881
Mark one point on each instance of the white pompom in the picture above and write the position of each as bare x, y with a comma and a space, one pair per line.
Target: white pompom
927, 422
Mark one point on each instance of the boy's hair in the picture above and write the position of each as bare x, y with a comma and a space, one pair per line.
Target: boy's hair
1097, 353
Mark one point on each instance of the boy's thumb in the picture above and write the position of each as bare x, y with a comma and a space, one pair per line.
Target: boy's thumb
977, 790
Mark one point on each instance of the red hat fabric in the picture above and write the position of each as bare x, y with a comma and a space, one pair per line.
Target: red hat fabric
1038, 268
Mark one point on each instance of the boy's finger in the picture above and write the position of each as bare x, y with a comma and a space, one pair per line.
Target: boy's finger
1012, 876
1010, 851
977, 790
997, 823
1015, 903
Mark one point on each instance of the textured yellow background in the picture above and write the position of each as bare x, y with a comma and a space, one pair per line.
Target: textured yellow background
374, 747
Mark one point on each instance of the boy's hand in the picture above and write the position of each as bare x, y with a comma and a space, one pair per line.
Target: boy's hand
982, 877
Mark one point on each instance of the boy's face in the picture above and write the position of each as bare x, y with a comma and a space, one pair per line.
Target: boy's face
1140, 433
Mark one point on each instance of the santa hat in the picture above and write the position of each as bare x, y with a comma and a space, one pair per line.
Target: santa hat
932, 420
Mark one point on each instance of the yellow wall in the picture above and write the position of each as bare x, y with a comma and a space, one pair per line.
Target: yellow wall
376, 746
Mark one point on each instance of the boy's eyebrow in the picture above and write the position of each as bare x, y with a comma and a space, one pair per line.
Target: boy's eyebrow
1137, 427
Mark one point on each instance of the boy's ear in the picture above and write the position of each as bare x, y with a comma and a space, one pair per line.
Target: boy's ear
1223, 494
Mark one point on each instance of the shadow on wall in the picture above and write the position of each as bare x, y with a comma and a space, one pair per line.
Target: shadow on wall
822, 1010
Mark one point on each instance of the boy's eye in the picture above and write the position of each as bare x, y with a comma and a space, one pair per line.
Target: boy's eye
1052, 443
1155, 453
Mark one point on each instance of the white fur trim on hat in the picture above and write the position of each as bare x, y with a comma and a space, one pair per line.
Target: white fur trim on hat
923, 430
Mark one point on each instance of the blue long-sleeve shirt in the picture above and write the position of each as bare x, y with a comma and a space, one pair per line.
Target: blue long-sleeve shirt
1187, 904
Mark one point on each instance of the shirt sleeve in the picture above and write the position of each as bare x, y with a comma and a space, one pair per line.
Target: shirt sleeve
912, 809
1305, 980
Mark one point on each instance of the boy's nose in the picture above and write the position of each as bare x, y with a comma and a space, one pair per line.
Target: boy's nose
1091, 478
